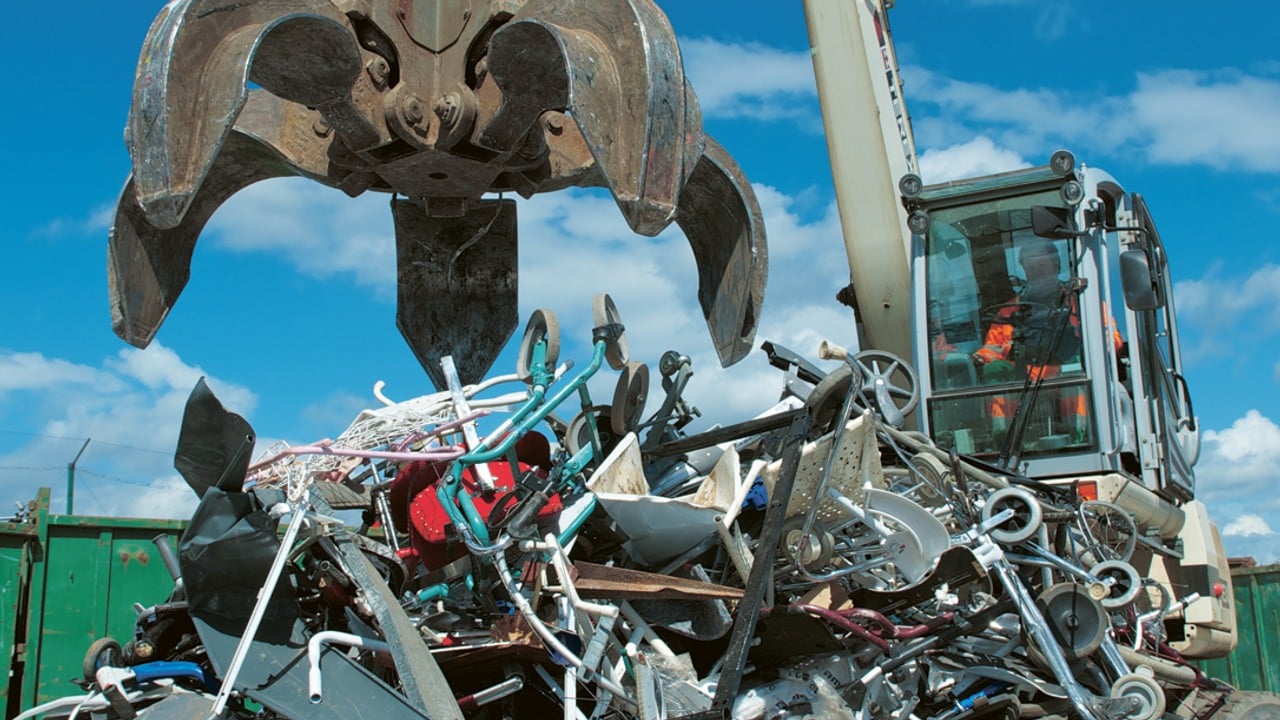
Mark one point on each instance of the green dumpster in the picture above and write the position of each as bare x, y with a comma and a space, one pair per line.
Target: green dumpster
69, 580
1255, 664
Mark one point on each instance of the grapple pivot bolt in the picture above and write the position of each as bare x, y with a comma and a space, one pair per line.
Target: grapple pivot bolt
413, 110
379, 71
446, 108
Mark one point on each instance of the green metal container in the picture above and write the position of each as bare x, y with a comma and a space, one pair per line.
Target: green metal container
69, 580
1255, 664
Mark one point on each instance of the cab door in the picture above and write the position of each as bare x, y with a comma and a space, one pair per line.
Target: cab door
1168, 437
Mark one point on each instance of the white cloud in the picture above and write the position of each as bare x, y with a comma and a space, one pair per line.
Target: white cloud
96, 223
1213, 300
1024, 119
1222, 120
162, 497
130, 408
750, 80
319, 230
979, 156
1247, 526
33, 371
1237, 474
1252, 443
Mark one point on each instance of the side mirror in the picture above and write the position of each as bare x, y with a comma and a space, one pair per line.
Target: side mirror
1140, 292
1051, 222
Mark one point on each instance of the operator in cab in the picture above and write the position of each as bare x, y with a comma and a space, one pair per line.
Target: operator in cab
1037, 334
1022, 334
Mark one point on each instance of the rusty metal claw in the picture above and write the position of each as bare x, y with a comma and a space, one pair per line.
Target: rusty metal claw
193, 79
440, 102
625, 87
148, 265
721, 218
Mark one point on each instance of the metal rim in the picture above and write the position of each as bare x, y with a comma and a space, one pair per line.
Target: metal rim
629, 397
1126, 586
605, 312
1146, 690
543, 325
1077, 621
1026, 519
879, 366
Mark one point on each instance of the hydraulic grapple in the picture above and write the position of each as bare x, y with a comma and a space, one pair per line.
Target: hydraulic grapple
440, 103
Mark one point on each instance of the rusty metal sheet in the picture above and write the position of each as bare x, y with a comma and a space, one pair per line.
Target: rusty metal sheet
615, 583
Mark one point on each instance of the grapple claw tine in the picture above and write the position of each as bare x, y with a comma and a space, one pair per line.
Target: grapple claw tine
625, 89
721, 217
148, 266
457, 285
193, 78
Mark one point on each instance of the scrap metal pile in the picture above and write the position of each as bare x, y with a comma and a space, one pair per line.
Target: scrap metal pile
523, 551
533, 553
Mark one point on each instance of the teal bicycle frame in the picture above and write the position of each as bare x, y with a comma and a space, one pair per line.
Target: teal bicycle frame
457, 502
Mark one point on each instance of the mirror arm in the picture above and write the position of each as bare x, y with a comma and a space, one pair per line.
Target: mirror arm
1129, 228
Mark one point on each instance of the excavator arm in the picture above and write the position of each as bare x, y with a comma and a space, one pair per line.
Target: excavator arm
870, 142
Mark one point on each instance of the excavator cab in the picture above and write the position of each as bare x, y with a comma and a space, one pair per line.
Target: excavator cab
1045, 335
1047, 344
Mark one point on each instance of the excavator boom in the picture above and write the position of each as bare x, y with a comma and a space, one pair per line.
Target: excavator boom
871, 147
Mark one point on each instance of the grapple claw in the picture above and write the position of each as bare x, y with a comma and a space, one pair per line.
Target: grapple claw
625, 88
439, 102
721, 218
457, 285
193, 79
147, 265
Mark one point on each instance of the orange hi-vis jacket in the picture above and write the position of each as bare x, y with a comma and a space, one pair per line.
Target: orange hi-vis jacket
999, 342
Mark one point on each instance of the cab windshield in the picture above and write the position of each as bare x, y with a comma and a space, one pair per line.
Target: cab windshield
1002, 319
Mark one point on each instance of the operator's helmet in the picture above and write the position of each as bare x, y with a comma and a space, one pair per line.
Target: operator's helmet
1036, 248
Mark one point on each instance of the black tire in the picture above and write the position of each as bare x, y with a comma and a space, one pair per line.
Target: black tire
1250, 705
826, 399
102, 653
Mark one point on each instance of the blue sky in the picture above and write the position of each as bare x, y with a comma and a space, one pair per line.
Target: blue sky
290, 310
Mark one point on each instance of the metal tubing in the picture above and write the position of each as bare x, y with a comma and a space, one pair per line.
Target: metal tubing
383, 504
552, 642
1113, 658
457, 504
659, 645
168, 557
480, 698
333, 637
259, 609
1163, 669
1038, 628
